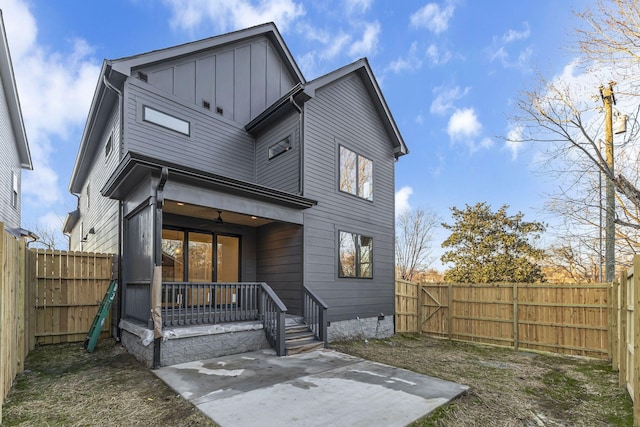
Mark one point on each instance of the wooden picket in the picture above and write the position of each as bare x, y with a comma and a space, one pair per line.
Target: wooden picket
69, 288
569, 319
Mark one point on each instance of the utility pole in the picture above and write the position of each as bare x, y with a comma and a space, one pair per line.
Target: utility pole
609, 100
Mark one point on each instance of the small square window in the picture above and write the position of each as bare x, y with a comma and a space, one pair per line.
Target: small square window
279, 147
108, 146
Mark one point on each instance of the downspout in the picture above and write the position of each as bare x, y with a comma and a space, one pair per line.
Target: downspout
156, 285
121, 292
68, 235
301, 145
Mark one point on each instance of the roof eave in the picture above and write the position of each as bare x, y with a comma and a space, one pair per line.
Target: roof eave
364, 69
13, 100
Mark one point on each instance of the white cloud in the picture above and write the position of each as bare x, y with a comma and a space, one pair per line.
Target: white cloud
357, 6
512, 35
433, 17
402, 200
232, 15
464, 124
446, 97
55, 92
514, 140
501, 45
410, 62
436, 56
368, 44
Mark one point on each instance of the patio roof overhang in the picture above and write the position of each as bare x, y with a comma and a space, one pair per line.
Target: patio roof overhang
135, 167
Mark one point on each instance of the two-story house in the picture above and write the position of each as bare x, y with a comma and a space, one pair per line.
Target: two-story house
254, 192
13, 142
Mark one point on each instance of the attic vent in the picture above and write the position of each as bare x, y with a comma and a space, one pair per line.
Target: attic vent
142, 76
219, 110
206, 104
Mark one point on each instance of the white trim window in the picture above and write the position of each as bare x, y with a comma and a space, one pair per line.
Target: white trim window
356, 174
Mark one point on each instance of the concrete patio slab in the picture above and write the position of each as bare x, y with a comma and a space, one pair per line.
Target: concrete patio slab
321, 388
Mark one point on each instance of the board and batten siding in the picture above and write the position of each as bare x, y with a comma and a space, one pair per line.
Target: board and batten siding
342, 113
9, 165
281, 172
242, 79
279, 250
216, 145
96, 211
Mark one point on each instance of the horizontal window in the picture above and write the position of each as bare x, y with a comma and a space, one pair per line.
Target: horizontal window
356, 174
165, 120
279, 148
355, 255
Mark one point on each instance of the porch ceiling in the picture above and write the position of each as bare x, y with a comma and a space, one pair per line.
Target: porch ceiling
195, 211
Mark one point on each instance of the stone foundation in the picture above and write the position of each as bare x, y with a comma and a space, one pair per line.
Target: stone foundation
361, 328
190, 343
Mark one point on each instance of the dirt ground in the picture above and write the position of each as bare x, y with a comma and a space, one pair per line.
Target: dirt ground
65, 385
507, 388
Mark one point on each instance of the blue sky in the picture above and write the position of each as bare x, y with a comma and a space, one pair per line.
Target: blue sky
449, 70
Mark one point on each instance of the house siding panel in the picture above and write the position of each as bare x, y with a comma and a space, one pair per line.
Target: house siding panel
279, 257
242, 78
343, 114
215, 145
9, 165
281, 172
102, 214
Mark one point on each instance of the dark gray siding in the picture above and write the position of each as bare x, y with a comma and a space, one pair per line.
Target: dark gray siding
242, 78
280, 262
96, 211
216, 145
10, 162
342, 114
281, 172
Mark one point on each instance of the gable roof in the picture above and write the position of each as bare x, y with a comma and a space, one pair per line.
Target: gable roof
114, 72
13, 102
363, 69
127, 64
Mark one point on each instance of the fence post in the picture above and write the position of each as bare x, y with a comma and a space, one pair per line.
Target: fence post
419, 293
449, 309
636, 339
515, 317
613, 314
622, 338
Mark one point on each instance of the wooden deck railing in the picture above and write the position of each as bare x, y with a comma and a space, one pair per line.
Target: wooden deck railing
189, 303
315, 314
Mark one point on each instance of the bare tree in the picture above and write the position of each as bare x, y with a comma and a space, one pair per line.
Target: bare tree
562, 116
414, 240
47, 238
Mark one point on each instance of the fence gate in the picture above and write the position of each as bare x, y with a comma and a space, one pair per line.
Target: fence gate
69, 289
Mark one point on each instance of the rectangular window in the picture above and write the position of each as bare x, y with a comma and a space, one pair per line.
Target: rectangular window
355, 259
165, 120
88, 196
356, 174
14, 190
279, 148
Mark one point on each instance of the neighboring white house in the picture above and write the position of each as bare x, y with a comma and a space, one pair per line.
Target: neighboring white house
13, 141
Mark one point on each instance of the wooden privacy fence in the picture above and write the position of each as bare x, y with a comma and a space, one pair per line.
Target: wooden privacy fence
625, 335
569, 319
16, 309
68, 290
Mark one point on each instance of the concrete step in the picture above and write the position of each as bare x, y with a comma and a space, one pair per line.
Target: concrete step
296, 328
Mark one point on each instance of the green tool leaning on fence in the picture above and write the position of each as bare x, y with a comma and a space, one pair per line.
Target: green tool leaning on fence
96, 327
